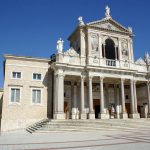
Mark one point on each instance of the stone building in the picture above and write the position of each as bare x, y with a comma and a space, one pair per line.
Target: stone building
97, 78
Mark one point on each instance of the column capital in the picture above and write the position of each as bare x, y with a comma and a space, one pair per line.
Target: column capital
90, 77
101, 78
122, 79
134, 81
59, 75
131, 81
82, 77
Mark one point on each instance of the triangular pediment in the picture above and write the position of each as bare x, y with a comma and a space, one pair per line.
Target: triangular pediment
109, 24
140, 61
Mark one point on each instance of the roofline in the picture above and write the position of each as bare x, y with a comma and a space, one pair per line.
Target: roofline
27, 58
105, 19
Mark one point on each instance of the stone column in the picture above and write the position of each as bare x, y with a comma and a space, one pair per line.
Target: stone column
148, 95
123, 114
102, 114
135, 96
117, 102
91, 111
59, 97
132, 104
72, 99
74, 108
136, 115
82, 114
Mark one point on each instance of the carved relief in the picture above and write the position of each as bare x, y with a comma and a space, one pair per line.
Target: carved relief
124, 49
94, 45
140, 61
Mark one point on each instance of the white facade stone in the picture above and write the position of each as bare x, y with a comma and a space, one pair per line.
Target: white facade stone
94, 78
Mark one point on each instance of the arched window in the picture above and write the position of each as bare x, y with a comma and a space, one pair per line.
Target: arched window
109, 49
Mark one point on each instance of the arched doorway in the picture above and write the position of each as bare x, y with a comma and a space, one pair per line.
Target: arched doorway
109, 49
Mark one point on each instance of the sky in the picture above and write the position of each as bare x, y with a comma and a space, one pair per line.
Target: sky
32, 27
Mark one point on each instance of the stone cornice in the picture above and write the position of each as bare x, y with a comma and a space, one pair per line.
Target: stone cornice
112, 31
7, 56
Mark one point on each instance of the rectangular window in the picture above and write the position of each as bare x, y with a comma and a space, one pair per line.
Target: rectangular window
36, 76
15, 95
16, 75
36, 96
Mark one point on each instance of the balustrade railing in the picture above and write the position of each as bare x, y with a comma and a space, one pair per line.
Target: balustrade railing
110, 62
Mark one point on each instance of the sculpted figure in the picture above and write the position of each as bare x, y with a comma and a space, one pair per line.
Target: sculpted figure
59, 46
147, 58
107, 13
80, 19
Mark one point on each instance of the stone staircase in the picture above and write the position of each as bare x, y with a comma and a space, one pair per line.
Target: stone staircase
89, 125
34, 127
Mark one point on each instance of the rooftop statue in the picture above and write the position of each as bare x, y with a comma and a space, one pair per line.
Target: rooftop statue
59, 46
107, 13
147, 58
130, 29
80, 19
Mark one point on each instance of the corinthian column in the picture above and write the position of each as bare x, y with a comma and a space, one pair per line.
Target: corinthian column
91, 111
132, 98
136, 115
148, 98
102, 114
59, 97
123, 114
82, 114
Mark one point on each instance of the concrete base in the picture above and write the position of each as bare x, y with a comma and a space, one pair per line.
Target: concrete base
59, 116
103, 116
91, 116
83, 116
134, 116
117, 116
74, 116
123, 115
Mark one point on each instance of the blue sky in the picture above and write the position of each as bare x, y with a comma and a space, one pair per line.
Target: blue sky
32, 27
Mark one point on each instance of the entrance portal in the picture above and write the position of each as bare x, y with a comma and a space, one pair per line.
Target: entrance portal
96, 107
127, 106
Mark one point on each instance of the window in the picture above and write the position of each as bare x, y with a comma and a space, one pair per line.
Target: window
36, 96
16, 75
15, 95
36, 76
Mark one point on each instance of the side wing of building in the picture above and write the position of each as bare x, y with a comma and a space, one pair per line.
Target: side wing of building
25, 92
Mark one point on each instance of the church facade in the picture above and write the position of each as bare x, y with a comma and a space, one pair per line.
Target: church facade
97, 78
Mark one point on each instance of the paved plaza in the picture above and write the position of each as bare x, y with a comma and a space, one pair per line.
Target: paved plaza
109, 139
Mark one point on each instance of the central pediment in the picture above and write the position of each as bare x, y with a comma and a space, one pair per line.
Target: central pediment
109, 24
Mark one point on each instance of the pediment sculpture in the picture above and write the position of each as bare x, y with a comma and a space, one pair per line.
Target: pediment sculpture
71, 52
140, 61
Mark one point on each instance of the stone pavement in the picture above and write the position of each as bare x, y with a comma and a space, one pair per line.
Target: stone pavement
124, 139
